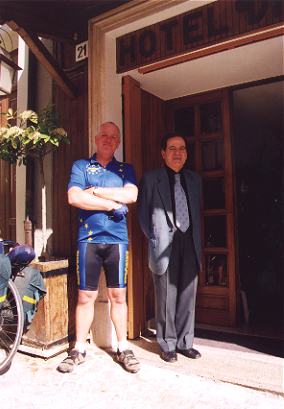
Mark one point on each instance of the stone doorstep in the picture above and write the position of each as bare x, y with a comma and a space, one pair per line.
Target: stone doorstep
245, 368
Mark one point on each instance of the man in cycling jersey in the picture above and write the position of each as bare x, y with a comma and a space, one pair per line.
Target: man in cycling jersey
101, 188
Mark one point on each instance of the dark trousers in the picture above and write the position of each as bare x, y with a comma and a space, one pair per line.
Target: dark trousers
176, 294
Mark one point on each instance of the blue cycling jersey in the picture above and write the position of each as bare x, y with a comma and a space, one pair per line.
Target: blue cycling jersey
96, 226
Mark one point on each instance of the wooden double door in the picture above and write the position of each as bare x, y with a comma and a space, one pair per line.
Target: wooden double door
205, 122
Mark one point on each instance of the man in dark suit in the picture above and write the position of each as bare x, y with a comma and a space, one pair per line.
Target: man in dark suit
169, 215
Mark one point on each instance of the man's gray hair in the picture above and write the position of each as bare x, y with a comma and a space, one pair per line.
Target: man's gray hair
110, 123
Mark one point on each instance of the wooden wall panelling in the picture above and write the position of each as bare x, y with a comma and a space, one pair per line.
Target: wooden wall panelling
74, 118
7, 184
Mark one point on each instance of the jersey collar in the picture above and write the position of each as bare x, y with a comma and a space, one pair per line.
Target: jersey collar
93, 161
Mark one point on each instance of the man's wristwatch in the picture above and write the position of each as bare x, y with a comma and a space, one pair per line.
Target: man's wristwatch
94, 190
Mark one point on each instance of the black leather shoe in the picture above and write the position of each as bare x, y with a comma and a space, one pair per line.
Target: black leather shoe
190, 353
170, 356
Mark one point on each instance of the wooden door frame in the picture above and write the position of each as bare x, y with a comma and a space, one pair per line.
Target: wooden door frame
133, 154
99, 29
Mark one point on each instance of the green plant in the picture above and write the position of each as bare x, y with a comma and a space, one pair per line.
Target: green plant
31, 134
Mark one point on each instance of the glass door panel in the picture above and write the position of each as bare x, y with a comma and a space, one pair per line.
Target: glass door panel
216, 270
212, 155
213, 193
215, 231
205, 122
190, 162
211, 117
184, 121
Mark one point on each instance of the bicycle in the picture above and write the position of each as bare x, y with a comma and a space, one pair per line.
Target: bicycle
11, 311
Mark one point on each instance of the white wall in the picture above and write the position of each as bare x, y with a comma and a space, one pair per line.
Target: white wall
252, 62
22, 100
43, 98
113, 101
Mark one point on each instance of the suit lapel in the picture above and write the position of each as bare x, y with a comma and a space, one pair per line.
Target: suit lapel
165, 193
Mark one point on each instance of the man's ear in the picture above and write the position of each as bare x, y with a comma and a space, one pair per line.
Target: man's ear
163, 153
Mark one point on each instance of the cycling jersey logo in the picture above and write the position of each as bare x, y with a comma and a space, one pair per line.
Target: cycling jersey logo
93, 169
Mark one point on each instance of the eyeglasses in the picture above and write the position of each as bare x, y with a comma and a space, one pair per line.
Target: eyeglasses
174, 149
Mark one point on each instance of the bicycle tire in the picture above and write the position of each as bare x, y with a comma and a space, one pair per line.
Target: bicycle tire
11, 326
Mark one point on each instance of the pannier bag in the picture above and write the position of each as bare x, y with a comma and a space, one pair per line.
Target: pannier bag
5, 273
31, 287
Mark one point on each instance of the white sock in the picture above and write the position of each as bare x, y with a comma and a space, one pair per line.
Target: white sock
122, 345
81, 347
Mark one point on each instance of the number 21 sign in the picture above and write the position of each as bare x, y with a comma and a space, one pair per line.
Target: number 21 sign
81, 51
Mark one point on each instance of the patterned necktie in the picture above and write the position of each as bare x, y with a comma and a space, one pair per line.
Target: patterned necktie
182, 217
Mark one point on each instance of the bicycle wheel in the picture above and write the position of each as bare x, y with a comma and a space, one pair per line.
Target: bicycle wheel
11, 326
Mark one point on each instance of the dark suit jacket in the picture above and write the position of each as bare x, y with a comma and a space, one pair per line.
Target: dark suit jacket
156, 215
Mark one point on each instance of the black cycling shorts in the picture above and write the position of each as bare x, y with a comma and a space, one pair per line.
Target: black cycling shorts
92, 257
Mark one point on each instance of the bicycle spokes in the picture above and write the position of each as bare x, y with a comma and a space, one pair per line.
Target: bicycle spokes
11, 326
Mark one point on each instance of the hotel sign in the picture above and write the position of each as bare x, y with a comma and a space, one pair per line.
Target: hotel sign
202, 27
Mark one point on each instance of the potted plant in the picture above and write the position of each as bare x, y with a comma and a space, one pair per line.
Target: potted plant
31, 134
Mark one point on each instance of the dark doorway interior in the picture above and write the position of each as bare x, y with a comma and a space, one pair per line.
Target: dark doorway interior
258, 156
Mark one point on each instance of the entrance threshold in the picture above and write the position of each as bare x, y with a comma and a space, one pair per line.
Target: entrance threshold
263, 339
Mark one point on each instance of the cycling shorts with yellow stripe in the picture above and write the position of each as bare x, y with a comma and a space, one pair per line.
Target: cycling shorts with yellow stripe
92, 257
